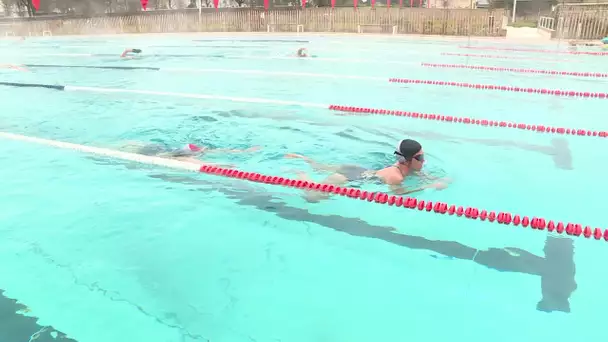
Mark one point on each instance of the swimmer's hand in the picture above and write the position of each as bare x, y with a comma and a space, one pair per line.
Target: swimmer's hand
253, 149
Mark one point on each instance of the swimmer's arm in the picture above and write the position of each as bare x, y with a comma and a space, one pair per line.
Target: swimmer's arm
127, 51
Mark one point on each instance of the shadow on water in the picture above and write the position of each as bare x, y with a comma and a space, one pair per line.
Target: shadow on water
15, 327
556, 269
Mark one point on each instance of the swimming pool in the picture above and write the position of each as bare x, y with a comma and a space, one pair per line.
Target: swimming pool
102, 249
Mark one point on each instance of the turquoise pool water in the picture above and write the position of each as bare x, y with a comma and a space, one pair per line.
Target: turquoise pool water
106, 250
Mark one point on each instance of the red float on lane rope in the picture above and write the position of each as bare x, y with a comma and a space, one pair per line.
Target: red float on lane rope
471, 213
535, 50
554, 92
502, 57
473, 121
520, 70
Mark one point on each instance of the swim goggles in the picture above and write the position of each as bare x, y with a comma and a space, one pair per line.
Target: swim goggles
418, 157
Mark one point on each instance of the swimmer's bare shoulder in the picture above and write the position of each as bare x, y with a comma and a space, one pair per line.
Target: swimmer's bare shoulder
395, 182
389, 177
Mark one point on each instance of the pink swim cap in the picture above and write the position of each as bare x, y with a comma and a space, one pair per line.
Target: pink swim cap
193, 148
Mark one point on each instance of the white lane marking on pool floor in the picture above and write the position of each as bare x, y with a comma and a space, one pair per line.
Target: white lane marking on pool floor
277, 73
196, 96
170, 163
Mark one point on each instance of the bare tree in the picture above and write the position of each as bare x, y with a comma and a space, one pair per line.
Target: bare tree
25, 6
7, 7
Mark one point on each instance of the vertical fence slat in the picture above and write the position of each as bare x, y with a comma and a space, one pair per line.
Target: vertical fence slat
582, 21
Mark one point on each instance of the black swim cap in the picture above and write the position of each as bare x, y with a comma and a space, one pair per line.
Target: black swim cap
407, 148
136, 51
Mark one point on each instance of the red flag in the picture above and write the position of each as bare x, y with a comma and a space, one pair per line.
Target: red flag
303, 4
216, 3
36, 4
333, 3
388, 3
266, 5
411, 3
373, 3
400, 3
355, 3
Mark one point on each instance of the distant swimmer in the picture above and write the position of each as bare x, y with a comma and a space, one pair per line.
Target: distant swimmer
410, 160
126, 53
302, 52
13, 67
188, 153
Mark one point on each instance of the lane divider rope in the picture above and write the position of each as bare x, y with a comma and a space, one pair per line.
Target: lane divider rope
473, 121
472, 213
518, 70
592, 53
502, 57
544, 91
487, 123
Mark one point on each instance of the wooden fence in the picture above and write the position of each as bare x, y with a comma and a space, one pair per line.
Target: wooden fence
581, 21
433, 21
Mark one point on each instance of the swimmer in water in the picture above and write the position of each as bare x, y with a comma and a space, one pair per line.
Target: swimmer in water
126, 53
410, 159
302, 52
188, 153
